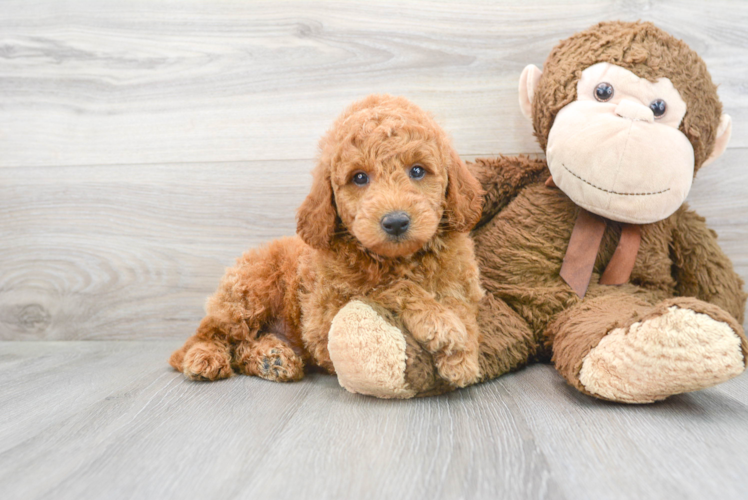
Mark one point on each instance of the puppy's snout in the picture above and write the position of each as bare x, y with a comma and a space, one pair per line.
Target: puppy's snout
395, 223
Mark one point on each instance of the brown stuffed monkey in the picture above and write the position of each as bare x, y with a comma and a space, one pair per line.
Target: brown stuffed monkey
590, 258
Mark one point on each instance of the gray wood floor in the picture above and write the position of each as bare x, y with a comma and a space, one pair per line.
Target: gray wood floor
144, 144
110, 420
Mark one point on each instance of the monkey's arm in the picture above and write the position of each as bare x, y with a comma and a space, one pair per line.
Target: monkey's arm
701, 269
503, 177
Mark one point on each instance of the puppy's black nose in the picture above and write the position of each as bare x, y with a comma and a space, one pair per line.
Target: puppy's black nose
395, 223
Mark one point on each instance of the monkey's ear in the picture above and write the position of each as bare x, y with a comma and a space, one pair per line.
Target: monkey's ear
464, 196
723, 137
315, 219
528, 82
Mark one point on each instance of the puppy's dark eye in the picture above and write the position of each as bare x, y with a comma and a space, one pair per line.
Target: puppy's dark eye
360, 179
603, 91
417, 172
658, 107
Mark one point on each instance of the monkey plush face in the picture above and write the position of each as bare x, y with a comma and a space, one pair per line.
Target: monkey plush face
617, 151
622, 139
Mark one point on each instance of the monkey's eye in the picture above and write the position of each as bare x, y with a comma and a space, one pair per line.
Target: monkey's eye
603, 91
417, 172
658, 107
360, 179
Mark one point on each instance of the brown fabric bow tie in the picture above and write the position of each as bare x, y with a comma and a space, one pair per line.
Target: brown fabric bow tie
583, 247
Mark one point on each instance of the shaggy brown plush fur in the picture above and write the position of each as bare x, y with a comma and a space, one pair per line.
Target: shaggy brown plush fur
646, 51
272, 312
529, 312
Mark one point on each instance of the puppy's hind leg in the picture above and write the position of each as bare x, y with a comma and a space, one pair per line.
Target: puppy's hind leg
207, 354
249, 296
203, 357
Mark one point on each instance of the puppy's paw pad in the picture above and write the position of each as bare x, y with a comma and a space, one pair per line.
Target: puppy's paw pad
278, 364
206, 361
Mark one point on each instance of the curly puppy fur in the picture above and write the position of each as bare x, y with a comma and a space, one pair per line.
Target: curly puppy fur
272, 312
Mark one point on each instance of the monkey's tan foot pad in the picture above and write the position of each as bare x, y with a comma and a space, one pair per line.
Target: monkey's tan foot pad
678, 351
368, 353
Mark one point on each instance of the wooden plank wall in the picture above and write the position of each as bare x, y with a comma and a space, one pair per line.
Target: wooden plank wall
145, 144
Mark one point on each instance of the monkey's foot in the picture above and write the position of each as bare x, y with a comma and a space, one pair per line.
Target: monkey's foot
368, 353
678, 351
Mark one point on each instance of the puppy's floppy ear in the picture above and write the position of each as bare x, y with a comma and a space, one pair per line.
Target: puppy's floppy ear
464, 196
315, 219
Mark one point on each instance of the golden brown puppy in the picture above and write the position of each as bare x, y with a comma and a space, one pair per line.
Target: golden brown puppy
387, 222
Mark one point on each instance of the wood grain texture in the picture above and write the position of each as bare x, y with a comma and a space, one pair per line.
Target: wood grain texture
122, 197
86, 82
111, 420
131, 252
145, 144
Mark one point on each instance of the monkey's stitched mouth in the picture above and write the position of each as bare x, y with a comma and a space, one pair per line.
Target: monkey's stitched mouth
613, 192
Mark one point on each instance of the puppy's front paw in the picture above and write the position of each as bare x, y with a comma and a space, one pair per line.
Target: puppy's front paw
441, 331
460, 368
207, 361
